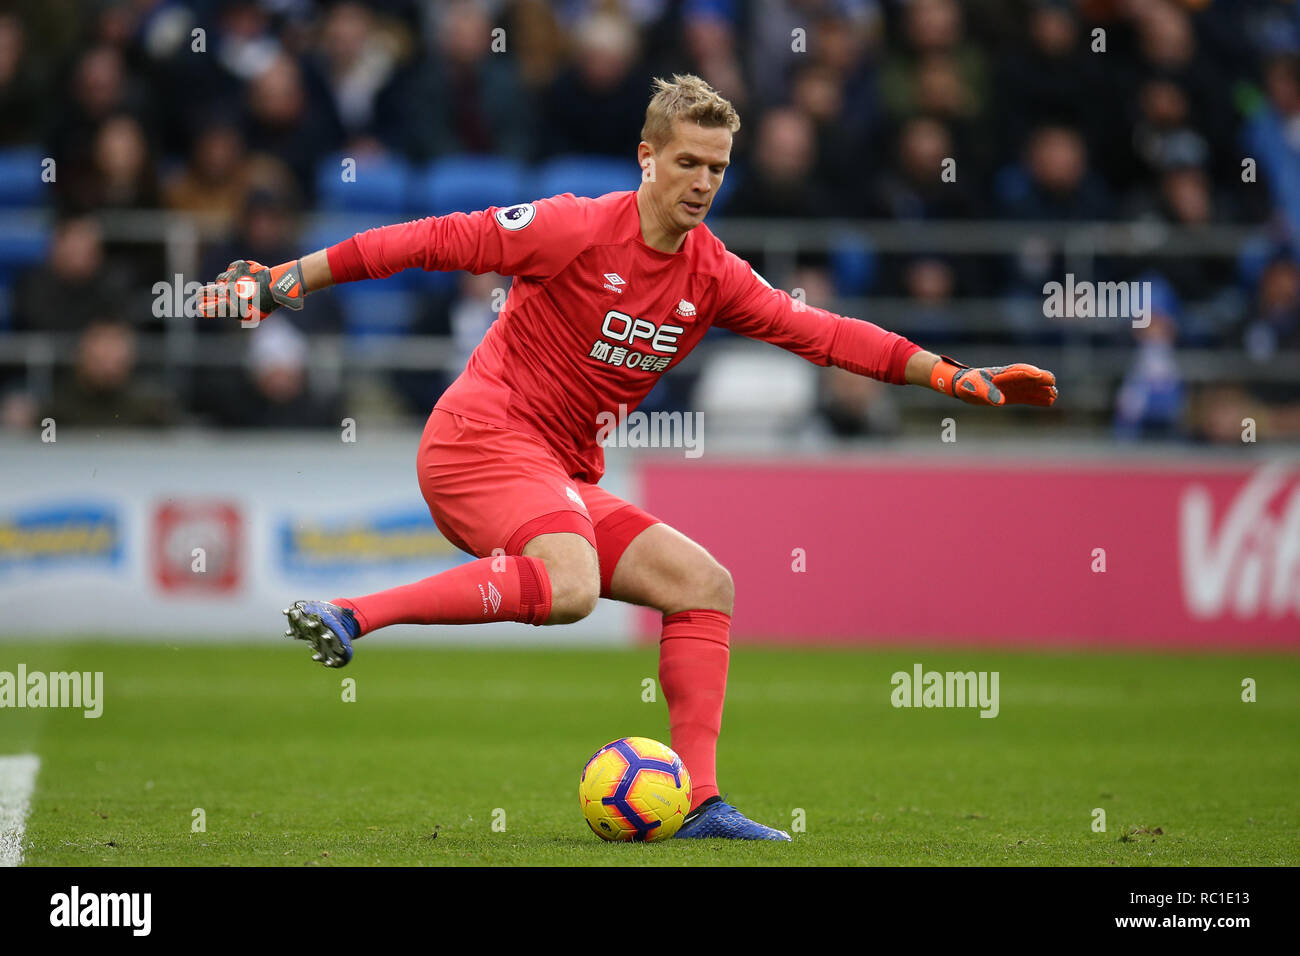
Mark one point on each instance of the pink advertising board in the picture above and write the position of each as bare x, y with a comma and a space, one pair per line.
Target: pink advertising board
1156, 554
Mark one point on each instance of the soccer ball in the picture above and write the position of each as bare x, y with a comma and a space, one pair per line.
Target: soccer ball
634, 789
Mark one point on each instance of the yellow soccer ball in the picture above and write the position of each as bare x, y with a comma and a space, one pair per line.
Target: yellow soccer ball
634, 789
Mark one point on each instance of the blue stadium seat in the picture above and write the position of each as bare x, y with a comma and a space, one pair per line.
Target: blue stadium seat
20, 178
587, 176
24, 241
6, 303
382, 185
853, 265
372, 309
1012, 184
466, 183
1255, 256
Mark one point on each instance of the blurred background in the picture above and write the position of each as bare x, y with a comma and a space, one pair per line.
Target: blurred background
145, 140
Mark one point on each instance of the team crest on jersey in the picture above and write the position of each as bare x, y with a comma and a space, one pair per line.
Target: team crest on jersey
516, 217
686, 309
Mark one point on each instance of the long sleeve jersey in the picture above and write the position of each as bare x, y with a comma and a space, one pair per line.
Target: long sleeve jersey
595, 315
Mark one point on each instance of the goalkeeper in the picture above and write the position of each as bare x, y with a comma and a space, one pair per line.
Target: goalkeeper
608, 294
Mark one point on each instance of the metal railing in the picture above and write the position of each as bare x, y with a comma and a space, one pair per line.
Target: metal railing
1090, 369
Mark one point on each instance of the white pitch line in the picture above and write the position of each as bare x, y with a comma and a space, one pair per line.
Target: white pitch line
17, 781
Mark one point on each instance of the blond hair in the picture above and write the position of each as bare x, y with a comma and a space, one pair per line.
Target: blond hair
685, 98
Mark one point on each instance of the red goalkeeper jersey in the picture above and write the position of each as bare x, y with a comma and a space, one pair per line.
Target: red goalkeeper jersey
594, 315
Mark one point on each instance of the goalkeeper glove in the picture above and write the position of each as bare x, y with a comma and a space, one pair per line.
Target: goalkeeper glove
252, 291
1018, 384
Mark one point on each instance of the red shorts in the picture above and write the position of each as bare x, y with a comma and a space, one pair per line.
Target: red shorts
491, 487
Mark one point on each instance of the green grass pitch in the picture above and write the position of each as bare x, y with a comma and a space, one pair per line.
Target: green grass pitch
440, 743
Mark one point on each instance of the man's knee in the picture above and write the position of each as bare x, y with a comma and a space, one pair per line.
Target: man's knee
717, 590
574, 572
573, 596
703, 585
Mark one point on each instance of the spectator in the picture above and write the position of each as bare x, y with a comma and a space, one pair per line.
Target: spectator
467, 99
1185, 197
100, 88
1275, 326
929, 283
854, 406
199, 77
358, 64
288, 124
1152, 399
121, 173
933, 29
915, 187
21, 86
1163, 135
1060, 185
539, 43
245, 41
781, 183
782, 35
837, 88
71, 288
709, 38
1167, 52
103, 391
279, 397
597, 106
1050, 77
1219, 414
18, 411
1270, 139
216, 182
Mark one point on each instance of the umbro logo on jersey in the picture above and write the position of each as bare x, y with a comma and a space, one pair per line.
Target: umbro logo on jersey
613, 281
685, 309
494, 597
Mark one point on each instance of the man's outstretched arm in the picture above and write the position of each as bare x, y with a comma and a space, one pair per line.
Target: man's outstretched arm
755, 309
530, 239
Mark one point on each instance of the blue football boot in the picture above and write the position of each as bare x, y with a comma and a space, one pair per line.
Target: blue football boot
715, 819
328, 628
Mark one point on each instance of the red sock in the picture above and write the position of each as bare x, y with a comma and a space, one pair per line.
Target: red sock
693, 655
500, 588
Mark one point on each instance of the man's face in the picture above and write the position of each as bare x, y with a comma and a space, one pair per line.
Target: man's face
683, 177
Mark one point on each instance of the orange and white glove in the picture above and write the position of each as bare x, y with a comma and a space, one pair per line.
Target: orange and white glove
252, 291
1018, 384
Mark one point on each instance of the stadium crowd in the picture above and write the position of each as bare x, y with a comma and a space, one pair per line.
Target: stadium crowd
849, 108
